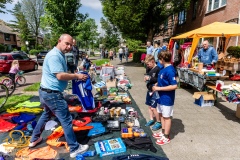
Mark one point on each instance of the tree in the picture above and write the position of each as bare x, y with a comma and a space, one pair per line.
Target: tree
64, 16
2, 5
111, 38
88, 32
20, 24
141, 19
33, 11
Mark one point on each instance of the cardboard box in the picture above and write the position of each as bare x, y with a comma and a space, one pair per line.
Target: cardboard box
111, 83
238, 111
204, 99
109, 147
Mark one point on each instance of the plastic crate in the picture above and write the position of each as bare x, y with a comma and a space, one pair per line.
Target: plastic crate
201, 82
190, 77
195, 80
181, 74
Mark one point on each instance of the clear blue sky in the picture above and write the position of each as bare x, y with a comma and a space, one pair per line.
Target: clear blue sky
92, 7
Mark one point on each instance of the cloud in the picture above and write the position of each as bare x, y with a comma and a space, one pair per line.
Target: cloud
94, 4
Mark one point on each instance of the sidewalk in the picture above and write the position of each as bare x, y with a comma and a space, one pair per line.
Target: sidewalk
197, 133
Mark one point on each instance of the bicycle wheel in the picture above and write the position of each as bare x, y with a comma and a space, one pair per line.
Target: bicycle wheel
3, 94
21, 80
10, 84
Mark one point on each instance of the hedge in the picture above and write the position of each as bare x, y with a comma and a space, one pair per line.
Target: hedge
137, 55
234, 51
33, 52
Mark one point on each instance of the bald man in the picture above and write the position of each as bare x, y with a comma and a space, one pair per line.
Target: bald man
53, 83
207, 54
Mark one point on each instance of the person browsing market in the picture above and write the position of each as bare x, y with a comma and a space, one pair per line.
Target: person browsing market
207, 54
54, 81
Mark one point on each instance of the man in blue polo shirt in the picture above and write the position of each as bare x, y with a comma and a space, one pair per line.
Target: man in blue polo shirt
150, 48
53, 83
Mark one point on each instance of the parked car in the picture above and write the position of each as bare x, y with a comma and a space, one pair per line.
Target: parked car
40, 57
25, 63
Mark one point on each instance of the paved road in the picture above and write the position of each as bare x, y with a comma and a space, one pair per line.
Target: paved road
211, 133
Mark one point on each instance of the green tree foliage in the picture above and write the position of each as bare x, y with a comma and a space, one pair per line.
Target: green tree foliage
64, 16
133, 44
2, 5
111, 36
20, 24
87, 33
33, 11
140, 19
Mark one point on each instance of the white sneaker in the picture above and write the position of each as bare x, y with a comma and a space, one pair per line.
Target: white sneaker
158, 135
81, 149
33, 144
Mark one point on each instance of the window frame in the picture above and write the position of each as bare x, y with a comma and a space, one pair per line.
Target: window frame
184, 17
7, 37
220, 5
195, 9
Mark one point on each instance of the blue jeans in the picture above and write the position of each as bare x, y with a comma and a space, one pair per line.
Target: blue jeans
54, 103
126, 54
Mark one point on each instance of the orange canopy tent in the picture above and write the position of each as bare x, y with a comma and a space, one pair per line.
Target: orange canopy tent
216, 29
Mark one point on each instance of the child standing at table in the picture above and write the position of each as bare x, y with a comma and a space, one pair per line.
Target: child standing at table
166, 87
151, 97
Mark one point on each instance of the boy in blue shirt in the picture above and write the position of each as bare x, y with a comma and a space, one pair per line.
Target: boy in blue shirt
166, 87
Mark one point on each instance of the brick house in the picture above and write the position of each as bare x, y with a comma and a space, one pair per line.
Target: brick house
12, 39
7, 36
201, 13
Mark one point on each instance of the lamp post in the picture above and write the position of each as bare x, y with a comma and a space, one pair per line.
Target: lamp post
27, 43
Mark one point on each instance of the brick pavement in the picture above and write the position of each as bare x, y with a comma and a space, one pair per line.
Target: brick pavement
197, 133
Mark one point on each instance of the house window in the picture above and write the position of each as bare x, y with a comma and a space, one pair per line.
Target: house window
182, 16
7, 37
166, 24
215, 4
195, 6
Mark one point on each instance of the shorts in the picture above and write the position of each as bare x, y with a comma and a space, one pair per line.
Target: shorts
151, 100
167, 111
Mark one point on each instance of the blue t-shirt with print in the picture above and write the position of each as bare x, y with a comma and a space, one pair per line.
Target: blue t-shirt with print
54, 62
166, 77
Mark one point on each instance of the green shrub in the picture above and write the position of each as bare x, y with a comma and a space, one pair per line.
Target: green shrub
40, 47
15, 49
137, 55
33, 52
234, 51
24, 48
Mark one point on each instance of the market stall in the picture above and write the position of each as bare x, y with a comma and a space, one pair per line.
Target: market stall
216, 29
188, 67
104, 116
192, 72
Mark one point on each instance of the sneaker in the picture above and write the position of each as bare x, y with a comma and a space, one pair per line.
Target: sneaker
163, 141
158, 135
81, 149
33, 144
149, 123
157, 126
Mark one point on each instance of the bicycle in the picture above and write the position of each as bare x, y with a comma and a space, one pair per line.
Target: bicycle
3, 94
10, 84
20, 79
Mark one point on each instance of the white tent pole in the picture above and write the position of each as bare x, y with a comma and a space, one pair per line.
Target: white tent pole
217, 43
238, 23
